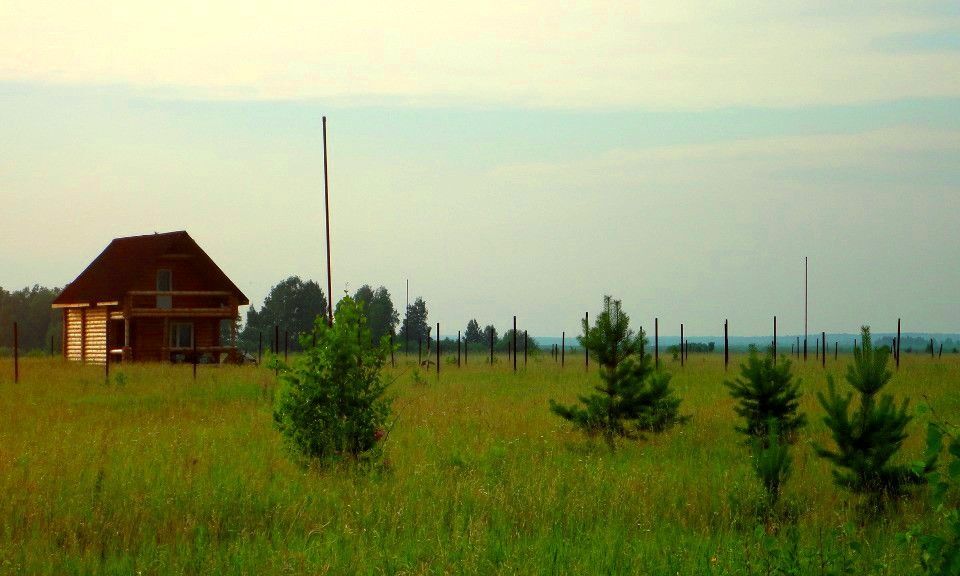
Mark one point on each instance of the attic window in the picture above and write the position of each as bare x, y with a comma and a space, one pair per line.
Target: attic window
164, 284
164, 280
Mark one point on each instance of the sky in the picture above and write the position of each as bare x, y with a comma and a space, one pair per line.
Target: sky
507, 158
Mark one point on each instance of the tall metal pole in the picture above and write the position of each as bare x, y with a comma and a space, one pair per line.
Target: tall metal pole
326, 206
406, 327
805, 305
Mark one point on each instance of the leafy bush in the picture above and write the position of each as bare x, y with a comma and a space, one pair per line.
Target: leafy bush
941, 548
331, 403
634, 397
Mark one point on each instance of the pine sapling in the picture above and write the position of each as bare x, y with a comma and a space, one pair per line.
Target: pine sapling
634, 397
870, 436
766, 392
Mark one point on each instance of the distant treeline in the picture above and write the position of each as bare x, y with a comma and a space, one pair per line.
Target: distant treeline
36, 321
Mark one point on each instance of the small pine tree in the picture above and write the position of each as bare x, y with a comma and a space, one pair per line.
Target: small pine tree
331, 403
766, 393
634, 397
771, 461
867, 439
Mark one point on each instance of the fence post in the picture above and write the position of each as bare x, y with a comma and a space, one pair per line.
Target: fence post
16, 353
466, 352
524, 348
682, 361
563, 348
774, 340
836, 350
656, 342
940, 355
438, 350
491, 348
458, 348
931, 347
106, 347
586, 351
195, 356
823, 359
896, 345
514, 343
726, 344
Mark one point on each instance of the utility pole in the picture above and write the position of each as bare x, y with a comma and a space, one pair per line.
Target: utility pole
326, 206
805, 304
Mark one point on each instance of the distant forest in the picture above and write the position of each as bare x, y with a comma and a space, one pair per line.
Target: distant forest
293, 304
37, 323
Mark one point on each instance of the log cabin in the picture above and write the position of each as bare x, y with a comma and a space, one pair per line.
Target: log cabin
152, 298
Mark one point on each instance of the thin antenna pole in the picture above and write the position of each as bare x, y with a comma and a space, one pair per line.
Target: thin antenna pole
406, 327
806, 260
326, 207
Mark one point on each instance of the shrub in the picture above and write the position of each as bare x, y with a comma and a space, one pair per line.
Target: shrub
331, 403
767, 393
941, 550
634, 397
867, 439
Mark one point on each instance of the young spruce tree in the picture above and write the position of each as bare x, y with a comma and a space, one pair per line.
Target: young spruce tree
331, 403
867, 439
633, 397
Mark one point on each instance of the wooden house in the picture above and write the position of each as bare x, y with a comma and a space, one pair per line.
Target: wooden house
153, 298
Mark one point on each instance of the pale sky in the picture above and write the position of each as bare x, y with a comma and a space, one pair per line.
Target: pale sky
508, 158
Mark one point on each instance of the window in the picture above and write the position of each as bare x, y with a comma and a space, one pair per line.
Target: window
164, 284
181, 335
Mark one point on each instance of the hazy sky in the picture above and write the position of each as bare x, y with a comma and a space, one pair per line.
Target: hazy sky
508, 158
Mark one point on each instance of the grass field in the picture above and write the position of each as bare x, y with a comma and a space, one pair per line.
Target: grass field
157, 474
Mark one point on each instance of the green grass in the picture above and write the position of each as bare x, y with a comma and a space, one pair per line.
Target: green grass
164, 475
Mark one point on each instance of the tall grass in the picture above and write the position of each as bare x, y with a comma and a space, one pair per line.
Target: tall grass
154, 473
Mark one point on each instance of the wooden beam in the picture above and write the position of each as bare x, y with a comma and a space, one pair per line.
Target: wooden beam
180, 293
83, 305
182, 312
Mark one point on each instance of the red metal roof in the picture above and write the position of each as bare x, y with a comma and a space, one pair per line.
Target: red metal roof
112, 274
